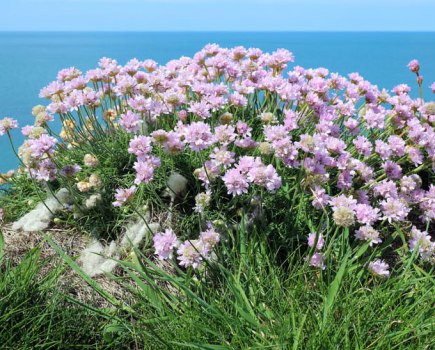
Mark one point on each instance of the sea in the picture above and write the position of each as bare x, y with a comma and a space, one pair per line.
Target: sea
29, 60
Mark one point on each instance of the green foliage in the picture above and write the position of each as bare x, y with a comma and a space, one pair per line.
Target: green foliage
246, 300
19, 196
35, 315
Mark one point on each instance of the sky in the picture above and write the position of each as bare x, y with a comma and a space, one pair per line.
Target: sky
217, 15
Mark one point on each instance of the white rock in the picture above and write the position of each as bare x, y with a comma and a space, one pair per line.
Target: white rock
136, 233
97, 259
39, 218
176, 185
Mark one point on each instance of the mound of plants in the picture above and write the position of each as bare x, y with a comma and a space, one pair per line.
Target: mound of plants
234, 141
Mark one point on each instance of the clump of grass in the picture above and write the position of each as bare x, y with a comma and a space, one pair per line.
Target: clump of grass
35, 314
253, 302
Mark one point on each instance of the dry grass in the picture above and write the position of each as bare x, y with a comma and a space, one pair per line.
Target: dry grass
72, 242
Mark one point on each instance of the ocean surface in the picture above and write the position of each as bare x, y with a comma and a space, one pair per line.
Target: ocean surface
29, 61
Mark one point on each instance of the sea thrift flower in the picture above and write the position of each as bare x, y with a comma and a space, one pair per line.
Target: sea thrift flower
344, 216
394, 209
222, 157
130, 122
145, 170
37, 109
189, 253
164, 244
318, 260
42, 145
70, 170
93, 200
84, 186
235, 182
368, 233
422, 240
1, 214
379, 268
199, 136
265, 176
392, 170
268, 118
45, 171
383, 149
414, 66
209, 238
90, 160
321, 198
95, 181
365, 214
397, 145
433, 87
140, 146
122, 195
202, 201
363, 146
312, 239
7, 124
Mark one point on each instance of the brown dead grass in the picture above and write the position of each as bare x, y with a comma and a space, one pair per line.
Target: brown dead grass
72, 242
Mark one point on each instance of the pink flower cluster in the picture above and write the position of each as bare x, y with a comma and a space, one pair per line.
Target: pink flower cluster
254, 123
190, 252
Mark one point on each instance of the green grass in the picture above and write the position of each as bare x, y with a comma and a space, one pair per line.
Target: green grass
251, 302
34, 314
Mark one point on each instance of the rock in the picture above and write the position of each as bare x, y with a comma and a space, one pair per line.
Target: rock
39, 218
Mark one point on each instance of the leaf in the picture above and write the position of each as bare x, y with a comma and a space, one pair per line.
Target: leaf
2, 244
333, 289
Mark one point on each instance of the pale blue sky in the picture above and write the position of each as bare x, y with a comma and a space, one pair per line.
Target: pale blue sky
217, 15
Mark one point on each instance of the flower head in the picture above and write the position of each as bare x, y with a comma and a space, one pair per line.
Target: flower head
414, 66
123, 195
164, 243
312, 239
7, 124
379, 268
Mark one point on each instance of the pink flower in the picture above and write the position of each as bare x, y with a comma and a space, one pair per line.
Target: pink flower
199, 136
397, 145
321, 198
189, 253
265, 176
45, 171
140, 146
123, 195
433, 87
365, 214
235, 182
7, 124
312, 239
42, 145
392, 170
1, 214
368, 233
318, 260
379, 268
164, 243
394, 209
363, 146
130, 122
222, 157
209, 239
422, 240
145, 170
414, 66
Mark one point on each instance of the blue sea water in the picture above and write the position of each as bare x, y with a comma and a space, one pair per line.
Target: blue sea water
28, 61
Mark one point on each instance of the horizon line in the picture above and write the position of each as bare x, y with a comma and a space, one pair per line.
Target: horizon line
221, 31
